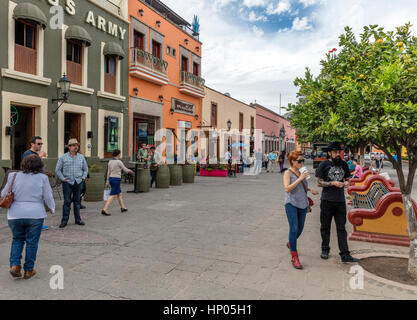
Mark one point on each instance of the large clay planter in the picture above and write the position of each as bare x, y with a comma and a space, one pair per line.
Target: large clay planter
95, 187
188, 173
176, 175
162, 177
143, 181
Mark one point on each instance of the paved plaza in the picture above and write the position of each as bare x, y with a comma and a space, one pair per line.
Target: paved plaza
220, 238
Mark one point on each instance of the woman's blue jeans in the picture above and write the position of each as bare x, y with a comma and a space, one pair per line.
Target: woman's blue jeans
25, 231
296, 219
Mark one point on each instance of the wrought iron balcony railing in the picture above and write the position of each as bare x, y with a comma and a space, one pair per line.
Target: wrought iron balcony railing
192, 79
141, 57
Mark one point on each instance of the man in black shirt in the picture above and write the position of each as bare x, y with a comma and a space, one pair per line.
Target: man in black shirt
333, 176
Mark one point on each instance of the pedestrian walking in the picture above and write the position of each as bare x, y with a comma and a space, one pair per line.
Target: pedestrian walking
258, 162
27, 212
228, 158
296, 202
153, 168
271, 159
35, 148
351, 166
381, 160
265, 160
374, 168
113, 180
333, 176
357, 174
72, 170
281, 161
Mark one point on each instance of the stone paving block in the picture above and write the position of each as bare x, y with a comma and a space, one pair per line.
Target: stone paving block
226, 266
222, 278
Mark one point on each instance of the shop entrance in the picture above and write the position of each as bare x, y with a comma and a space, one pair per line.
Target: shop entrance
144, 132
72, 129
23, 128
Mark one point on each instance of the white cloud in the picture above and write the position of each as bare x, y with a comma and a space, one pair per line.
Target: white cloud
253, 17
301, 24
308, 3
254, 3
279, 8
257, 31
236, 59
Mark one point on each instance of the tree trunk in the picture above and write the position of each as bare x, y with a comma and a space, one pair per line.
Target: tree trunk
412, 230
362, 151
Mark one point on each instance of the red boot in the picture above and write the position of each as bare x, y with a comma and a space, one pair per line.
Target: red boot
295, 262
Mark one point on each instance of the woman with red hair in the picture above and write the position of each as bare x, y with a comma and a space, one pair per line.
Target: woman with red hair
296, 202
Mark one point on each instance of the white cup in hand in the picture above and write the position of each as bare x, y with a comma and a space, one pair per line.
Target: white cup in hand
304, 169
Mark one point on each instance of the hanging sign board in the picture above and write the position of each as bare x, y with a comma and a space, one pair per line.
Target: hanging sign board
183, 107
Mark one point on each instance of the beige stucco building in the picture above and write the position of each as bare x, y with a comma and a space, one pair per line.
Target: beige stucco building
221, 110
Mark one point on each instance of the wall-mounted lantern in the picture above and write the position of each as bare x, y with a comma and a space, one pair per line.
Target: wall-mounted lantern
136, 90
64, 87
229, 125
141, 12
158, 23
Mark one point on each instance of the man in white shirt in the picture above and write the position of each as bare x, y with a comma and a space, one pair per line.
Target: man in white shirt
228, 158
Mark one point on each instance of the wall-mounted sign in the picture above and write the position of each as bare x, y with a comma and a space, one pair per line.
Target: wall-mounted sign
183, 107
184, 124
96, 21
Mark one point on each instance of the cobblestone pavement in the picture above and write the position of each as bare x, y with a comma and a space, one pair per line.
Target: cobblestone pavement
220, 238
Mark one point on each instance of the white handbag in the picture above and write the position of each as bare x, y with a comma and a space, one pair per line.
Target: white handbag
106, 194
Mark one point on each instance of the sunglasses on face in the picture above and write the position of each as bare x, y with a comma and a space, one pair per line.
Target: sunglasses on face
300, 161
40, 144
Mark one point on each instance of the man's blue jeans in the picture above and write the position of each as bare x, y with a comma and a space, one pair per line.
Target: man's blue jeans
296, 219
72, 193
25, 231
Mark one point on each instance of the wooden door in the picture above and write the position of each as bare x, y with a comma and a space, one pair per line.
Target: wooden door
30, 125
72, 126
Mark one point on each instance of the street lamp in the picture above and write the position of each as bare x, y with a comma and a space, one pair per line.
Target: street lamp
229, 125
64, 85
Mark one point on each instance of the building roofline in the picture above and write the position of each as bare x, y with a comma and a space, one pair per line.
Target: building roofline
169, 20
230, 97
267, 109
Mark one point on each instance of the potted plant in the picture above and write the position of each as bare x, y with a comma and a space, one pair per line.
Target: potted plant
218, 170
95, 184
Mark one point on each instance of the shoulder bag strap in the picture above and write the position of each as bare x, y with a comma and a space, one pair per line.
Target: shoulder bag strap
11, 185
302, 182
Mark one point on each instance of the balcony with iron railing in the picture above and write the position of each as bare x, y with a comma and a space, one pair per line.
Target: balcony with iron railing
145, 65
192, 84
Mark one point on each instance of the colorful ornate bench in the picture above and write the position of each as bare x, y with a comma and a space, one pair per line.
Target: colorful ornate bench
378, 213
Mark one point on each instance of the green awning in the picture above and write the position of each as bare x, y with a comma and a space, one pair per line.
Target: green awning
28, 11
112, 48
78, 33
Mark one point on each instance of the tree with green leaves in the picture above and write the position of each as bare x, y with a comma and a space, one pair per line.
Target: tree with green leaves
367, 92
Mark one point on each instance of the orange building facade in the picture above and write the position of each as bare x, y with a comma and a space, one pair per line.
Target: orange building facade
165, 84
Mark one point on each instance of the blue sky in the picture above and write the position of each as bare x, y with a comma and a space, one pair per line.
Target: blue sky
254, 49
270, 17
